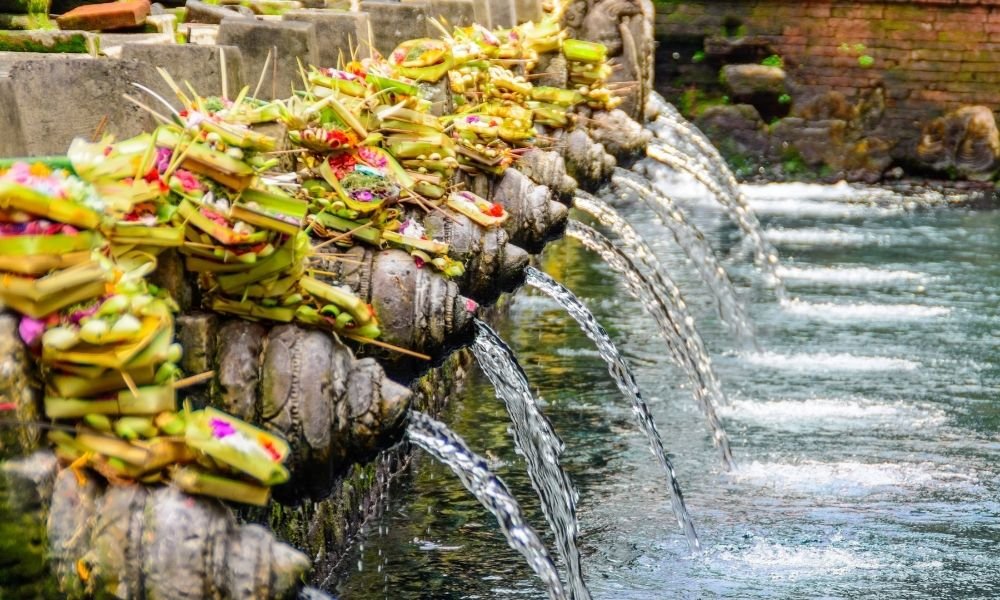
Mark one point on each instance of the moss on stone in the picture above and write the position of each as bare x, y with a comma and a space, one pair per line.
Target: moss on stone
71, 42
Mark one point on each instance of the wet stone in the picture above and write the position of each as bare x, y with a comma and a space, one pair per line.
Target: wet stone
202, 12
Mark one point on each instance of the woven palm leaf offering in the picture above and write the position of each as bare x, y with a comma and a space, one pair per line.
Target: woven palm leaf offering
354, 188
104, 338
589, 71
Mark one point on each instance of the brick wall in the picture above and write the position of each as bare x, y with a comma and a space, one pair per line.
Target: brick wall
928, 55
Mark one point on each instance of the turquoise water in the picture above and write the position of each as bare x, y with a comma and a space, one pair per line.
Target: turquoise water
865, 430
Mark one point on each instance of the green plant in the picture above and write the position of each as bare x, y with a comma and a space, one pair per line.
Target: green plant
865, 61
784, 99
698, 56
773, 61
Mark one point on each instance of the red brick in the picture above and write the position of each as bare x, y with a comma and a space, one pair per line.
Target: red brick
105, 17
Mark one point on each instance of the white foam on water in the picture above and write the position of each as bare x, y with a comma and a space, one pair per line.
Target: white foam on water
574, 352
824, 361
849, 478
837, 192
828, 413
847, 276
821, 209
858, 311
816, 236
793, 562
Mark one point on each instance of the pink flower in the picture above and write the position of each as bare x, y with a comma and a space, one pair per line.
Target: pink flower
31, 331
222, 429
188, 181
163, 156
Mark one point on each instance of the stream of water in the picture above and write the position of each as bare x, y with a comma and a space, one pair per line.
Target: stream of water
865, 428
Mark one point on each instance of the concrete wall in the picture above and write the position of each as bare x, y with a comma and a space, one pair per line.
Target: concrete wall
928, 55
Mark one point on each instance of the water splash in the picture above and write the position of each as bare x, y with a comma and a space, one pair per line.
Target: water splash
731, 198
540, 446
851, 276
853, 312
815, 236
450, 449
675, 323
825, 361
625, 379
707, 166
687, 236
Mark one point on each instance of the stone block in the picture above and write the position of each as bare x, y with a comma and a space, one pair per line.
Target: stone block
162, 23
527, 10
502, 13
106, 16
338, 32
288, 42
395, 22
78, 95
202, 34
12, 141
456, 13
201, 66
112, 43
481, 10
746, 80
72, 42
202, 12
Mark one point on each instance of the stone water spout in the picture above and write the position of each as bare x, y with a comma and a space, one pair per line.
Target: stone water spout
135, 541
416, 308
492, 263
535, 216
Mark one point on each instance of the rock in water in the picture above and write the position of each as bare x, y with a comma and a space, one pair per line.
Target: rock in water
965, 139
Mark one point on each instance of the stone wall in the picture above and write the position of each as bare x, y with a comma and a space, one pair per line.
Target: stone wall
918, 59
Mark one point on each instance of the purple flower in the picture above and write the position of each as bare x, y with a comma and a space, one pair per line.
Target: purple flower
472, 119
163, 156
222, 429
363, 196
31, 331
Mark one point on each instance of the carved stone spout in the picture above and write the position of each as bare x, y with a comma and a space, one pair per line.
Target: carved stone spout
332, 408
136, 541
492, 264
416, 308
535, 216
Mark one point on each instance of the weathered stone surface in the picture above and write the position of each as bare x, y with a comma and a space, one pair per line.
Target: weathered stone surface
534, 215
202, 12
527, 10
201, 66
139, 541
492, 264
288, 42
759, 85
49, 41
867, 159
455, 13
815, 143
29, 479
238, 363
395, 22
829, 105
619, 134
965, 139
736, 129
503, 13
106, 16
547, 168
586, 160
337, 31
19, 386
90, 90
196, 332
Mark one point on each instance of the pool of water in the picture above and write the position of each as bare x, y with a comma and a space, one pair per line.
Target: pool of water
865, 427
